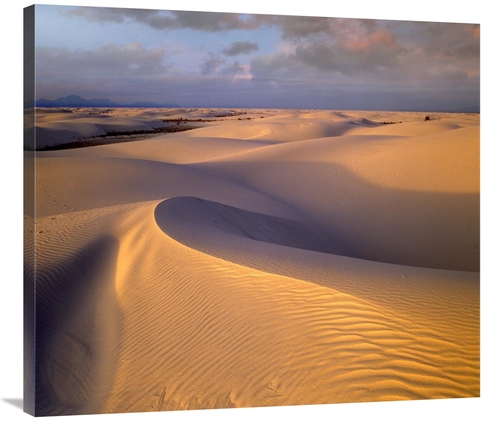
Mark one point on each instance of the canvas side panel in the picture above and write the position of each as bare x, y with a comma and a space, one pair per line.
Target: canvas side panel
29, 210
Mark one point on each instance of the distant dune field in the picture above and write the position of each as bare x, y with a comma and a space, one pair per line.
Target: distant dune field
255, 258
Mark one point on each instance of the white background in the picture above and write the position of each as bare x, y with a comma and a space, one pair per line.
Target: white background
11, 198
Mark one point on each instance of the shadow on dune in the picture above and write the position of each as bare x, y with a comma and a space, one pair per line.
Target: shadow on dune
76, 317
355, 218
187, 219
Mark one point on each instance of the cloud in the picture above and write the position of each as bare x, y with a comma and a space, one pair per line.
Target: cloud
326, 44
297, 27
211, 22
167, 20
291, 26
376, 50
371, 54
212, 64
237, 48
453, 40
330, 47
237, 71
277, 66
436, 49
104, 14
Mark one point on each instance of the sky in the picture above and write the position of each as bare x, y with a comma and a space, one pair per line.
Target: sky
215, 59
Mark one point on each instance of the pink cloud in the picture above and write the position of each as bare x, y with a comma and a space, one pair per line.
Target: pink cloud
367, 42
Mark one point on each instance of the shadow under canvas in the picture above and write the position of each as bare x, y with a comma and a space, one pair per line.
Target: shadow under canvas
17, 402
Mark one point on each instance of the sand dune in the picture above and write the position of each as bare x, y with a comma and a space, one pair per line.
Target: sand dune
192, 218
54, 126
294, 257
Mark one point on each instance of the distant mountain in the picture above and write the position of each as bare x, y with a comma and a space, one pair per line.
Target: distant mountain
77, 101
102, 102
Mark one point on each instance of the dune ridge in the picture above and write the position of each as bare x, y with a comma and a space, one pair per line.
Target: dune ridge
205, 270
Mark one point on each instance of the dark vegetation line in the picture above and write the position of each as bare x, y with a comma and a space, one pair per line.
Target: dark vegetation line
114, 137
202, 120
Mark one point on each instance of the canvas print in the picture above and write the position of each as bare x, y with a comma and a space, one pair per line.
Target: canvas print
246, 210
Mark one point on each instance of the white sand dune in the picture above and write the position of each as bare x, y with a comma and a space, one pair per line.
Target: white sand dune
276, 129
60, 126
360, 191
297, 257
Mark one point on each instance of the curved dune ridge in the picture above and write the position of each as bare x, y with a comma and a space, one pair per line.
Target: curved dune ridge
197, 222
205, 270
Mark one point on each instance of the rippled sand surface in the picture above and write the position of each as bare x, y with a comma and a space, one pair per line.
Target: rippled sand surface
276, 257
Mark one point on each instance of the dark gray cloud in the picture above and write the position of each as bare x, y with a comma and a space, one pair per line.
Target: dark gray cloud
292, 27
167, 20
212, 22
453, 40
297, 27
240, 47
106, 14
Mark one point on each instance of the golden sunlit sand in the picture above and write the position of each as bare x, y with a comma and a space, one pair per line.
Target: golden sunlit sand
262, 258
